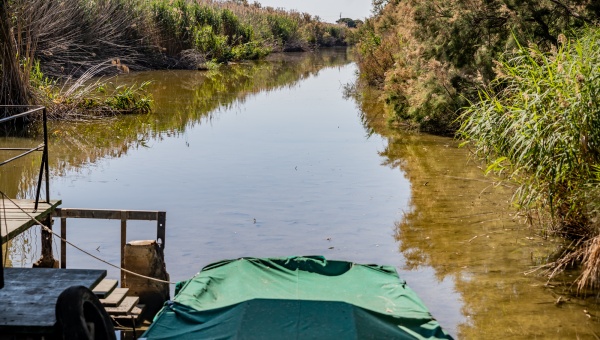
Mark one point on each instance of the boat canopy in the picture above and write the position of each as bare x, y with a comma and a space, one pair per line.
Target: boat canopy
295, 297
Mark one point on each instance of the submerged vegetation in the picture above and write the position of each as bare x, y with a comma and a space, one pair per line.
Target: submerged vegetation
519, 83
50, 46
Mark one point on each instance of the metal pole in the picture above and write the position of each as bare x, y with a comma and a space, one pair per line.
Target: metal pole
39, 184
46, 154
44, 165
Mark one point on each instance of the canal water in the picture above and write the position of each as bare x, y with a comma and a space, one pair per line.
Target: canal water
270, 158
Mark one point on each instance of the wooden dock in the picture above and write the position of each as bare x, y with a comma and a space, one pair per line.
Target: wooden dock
29, 299
17, 220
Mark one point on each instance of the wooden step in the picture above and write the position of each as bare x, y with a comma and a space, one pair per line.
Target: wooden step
128, 303
115, 297
104, 288
134, 319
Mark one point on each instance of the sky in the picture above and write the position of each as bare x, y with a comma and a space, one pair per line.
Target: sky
327, 10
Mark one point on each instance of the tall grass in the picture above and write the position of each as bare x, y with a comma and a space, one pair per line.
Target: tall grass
69, 37
14, 85
214, 33
44, 44
539, 124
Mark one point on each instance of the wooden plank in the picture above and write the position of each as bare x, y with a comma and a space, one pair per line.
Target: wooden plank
125, 307
29, 296
104, 288
106, 214
134, 319
115, 297
18, 221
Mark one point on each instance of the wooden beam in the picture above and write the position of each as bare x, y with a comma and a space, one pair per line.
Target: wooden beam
106, 214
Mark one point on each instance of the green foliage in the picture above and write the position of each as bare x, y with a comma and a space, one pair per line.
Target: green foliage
213, 45
174, 20
236, 30
322, 34
429, 56
217, 33
207, 15
249, 51
282, 28
129, 99
69, 37
539, 122
375, 56
39, 81
349, 22
121, 100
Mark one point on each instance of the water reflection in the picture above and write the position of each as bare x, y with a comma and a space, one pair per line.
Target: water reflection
460, 224
182, 99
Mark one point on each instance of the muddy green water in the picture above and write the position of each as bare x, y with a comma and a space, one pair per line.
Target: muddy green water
270, 159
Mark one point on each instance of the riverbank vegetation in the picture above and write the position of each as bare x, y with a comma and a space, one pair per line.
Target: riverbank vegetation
49, 45
518, 81
538, 122
430, 57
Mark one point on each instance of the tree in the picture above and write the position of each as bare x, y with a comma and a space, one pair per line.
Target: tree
348, 22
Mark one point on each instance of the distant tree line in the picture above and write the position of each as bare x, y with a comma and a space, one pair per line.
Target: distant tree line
352, 23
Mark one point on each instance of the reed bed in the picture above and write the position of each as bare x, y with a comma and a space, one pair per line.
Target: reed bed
46, 44
538, 124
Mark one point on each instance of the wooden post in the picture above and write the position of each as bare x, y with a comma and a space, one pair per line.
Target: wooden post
47, 260
161, 220
123, 241
63, 244
146, 258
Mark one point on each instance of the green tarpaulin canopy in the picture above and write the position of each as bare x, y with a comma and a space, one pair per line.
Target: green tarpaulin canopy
296, 297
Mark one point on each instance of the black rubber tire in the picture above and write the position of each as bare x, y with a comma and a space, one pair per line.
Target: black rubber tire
75, 308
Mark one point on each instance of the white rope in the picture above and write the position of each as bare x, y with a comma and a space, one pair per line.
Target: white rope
81, 250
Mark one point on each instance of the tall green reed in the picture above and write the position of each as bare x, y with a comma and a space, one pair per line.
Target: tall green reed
538, 124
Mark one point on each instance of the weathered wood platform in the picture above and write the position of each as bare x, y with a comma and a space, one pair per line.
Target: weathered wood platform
28, 299
17, 220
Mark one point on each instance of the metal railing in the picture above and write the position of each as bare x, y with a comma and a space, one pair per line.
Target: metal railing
31, 110
124, 215
44, 167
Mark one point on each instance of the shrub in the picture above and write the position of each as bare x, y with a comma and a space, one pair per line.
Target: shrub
460, 39
282, 28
